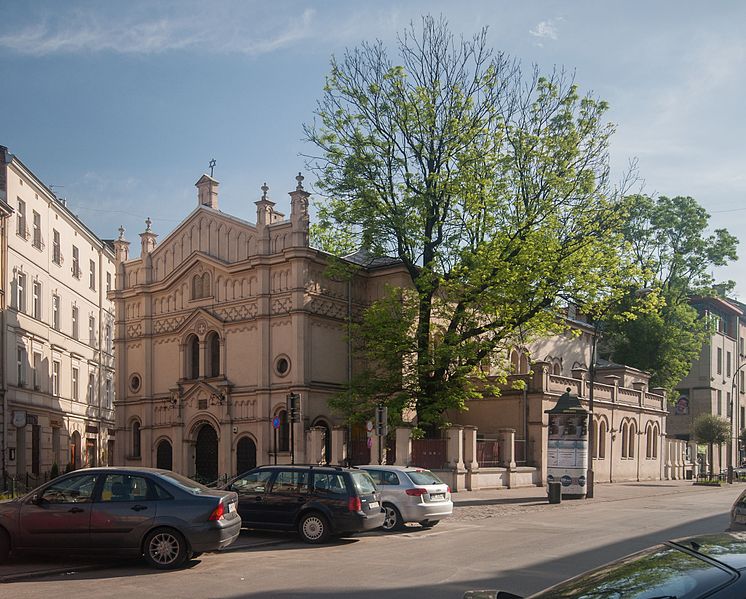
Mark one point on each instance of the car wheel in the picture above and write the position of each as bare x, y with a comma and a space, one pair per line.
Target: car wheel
393, 519
313, 528
4, 546
428, 523
165, 548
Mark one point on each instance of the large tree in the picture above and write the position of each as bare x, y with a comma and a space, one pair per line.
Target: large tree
490, 185
669, 241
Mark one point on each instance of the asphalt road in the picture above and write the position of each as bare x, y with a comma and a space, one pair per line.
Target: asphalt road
509, 540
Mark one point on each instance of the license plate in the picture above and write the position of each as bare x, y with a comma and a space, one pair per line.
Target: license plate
373, 505
438, 496
231, 507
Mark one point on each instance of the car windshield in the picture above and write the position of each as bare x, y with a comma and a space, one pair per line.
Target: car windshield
363, 482
424, 477
658, 572
183, 482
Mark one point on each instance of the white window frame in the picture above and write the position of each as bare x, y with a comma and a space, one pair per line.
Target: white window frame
56, 366
36, 299
21, 292
75, 384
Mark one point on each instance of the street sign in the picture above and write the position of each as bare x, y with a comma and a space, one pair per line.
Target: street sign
276, 422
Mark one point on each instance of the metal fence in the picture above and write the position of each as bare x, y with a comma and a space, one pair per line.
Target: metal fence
488, 453
19, 484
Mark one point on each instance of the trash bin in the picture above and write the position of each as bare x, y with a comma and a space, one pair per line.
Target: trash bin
554, 491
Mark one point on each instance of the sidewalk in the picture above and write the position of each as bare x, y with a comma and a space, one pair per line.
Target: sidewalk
468, 505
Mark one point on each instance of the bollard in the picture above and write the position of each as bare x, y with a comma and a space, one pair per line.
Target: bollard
554, 492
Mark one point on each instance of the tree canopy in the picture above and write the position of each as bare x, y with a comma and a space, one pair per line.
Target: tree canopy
489, 184
669, 242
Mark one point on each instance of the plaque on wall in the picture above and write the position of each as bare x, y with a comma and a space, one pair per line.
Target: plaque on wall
19, 418
91, 429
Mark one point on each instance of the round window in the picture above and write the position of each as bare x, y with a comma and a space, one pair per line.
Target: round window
282, 365
135, 383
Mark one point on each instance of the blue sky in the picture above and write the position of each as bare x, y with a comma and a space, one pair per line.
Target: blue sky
121, 105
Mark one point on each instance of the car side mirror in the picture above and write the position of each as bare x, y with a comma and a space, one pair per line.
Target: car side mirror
37, 499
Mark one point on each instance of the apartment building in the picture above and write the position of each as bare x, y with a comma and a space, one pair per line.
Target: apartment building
57, 333
715, 384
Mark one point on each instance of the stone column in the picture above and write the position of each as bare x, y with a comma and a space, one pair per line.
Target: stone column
403, 446
506, 446
315, 444
667, 448
470, 458
455, 447
339, 450
613, 380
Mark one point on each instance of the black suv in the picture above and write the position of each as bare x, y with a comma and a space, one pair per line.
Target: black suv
317, 501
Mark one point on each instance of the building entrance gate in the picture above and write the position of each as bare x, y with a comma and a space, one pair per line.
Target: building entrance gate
206, 458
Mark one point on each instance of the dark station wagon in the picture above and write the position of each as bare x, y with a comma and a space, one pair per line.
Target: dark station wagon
317, 501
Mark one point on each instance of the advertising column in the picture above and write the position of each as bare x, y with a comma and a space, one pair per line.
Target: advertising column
567, 451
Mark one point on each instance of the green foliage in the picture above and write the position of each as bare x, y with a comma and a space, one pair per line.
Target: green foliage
489, 185
668, 241
710, 429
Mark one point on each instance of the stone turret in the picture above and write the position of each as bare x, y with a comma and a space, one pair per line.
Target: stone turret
207, 194
299, 213
147, 239
121, 246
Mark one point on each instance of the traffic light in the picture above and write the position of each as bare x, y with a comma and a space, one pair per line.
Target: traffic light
382, 424
293, 405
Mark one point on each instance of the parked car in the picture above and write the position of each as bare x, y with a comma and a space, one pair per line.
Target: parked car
411, 494
158, 514
317, 501
712, 566
738, 513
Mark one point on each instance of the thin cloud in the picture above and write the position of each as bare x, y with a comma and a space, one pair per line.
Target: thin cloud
158, 35
544, 30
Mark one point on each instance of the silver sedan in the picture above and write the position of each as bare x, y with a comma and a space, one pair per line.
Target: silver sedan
411, 494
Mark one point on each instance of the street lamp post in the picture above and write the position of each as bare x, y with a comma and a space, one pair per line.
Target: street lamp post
591, 424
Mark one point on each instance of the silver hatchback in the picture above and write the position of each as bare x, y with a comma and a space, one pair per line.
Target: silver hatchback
411, 494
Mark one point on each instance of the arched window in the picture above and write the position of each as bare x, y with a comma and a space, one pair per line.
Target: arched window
197, 287
206, 291
283, 433
192, 357
632, 433
625, 439
602, 440
245, 455
515, 362
135, 439
648, 441
557, 368
655, 441
213, 354
524, 364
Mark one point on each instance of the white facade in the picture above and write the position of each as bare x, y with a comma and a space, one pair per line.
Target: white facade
57, 333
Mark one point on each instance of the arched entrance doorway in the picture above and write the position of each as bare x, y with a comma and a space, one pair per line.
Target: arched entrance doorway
206, 457
164, 455
245, 455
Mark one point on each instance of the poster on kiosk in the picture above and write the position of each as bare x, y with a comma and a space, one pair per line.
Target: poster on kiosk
567, 451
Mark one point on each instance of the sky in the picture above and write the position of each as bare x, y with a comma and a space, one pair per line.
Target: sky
120, 106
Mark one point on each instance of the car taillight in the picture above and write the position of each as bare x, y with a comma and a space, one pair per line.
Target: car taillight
448, 489
354, 504
218, 512
416, 492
